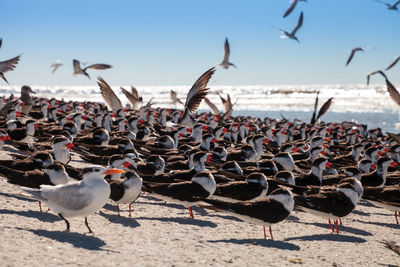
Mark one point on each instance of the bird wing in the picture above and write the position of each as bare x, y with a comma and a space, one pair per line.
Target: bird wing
1, 42
109, 96
213, 108
324, 108
393, 63
77, 66
8, 65
373, 73
198, 91
379, 1
290, 9
55, 67
98, 67
353, 51
299, 23
72, 196
394, 94
227, 50
135, 92
130, 97
315, 109
398, 2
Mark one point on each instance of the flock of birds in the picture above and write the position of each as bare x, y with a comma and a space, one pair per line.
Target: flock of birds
259, 170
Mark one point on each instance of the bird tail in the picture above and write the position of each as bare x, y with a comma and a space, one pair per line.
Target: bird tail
34, 193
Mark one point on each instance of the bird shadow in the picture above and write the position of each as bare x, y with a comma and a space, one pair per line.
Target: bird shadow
125, 221
328, 237
361, 213
160, 203
342, 228
392, 225
19, 197
226, 217
259, 242
181, 220
78, 240
42, 216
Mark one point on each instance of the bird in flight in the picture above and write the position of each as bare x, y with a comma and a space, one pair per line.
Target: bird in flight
393, 63
291, 7
78, 70
353, 51
55, 66
389, 6
373, 73
225, 62
7, 65
292, 35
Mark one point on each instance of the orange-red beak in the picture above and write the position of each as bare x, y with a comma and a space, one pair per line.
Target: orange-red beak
113, 171
126, 164
69, 146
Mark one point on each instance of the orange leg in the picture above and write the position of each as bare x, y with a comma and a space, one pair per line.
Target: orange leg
270, 232
118, 209
40, 207
191, 212
330, 224
336, 225
395, 215
130, 208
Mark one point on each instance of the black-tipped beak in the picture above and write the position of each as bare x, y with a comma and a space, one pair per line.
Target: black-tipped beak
4, 78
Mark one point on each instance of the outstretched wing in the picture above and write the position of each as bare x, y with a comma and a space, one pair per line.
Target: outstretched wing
130, 97
109, 96
315, 109
226, 50
299, 23
394, 94
290, 9
393, 63
98, 66
8, 65
198, 91
373, 73
213, 108
324, 108
135, 92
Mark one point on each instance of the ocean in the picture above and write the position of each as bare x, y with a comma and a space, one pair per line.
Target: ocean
368, 105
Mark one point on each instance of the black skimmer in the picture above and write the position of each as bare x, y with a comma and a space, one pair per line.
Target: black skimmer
271, 210
376, 72
292, 35
174, 98
133, 97
126, 190
378, 176
315, 175
353, 51
225, 62
55, 66
201, 186
389, 6
387, 197
77, 198
78, 70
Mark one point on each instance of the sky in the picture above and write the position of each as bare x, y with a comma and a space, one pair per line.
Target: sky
172, 42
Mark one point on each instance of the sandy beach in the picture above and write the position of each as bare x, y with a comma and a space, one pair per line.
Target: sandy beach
162, 234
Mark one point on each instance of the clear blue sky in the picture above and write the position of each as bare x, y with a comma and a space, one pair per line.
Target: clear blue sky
171, 42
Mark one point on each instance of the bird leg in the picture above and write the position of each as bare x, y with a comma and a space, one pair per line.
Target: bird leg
336, 225
118, 209
130, 208
265, 234
87, 225
330, 224
66, 221
40, 206
395, 215
340, 221
270, 233
191, 212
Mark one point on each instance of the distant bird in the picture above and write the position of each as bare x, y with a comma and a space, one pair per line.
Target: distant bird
292, 35
225, 62
292, 6
373, 73
213, 107
7, 65
78, 70
77, 198
322, 110
55, 66
389, 6
394, 94
353, 51
133, 97
174, 98
393, 63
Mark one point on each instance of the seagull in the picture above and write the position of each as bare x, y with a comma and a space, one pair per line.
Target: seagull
174, 98
133, 97
77, 198
393, 63
353, 51
292, 35
389, 6
7, 65
292, 6
78, 70
373, 73
225, 62
55, 66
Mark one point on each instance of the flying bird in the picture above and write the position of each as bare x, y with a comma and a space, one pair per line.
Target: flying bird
389, 6
394, 94
133, 97
55, 66
174, 98
373, 73
78, 70
291, 7
7, 65
393, 63
225, 62
292, 35
322, 110
109, 96
353, 51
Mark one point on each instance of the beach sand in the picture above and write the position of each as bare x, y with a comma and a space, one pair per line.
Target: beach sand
162, 234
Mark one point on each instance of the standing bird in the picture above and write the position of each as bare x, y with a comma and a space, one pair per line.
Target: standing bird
389, 6
55, 66
353, 51
292, 35
78, 70
225, 62
393, 63
77, 198
7, 65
